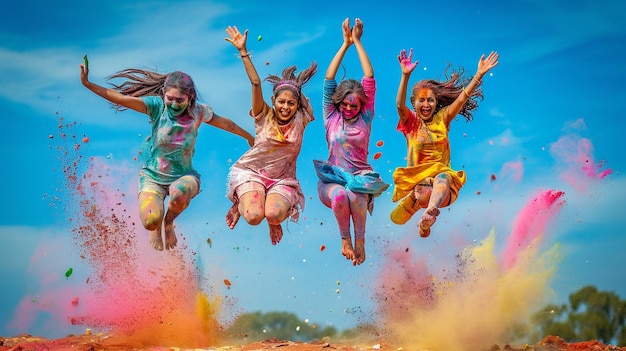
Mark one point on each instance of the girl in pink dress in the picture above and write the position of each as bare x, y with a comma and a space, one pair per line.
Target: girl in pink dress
262, 184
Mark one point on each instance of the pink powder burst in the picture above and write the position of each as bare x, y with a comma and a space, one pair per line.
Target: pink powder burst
579, 167
531, 224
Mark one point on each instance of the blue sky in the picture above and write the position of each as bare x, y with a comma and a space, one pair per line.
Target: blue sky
560, 73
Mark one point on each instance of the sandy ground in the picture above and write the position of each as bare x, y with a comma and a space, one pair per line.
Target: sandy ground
100, 343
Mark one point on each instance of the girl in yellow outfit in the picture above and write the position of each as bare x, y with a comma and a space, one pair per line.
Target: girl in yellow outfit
428, 181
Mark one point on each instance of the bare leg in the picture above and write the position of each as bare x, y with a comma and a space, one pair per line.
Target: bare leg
358, 211
277, 209
151, 214
252, 206
181, 193
440, 196
335, 197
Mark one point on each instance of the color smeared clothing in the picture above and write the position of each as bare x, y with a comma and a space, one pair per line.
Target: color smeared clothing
172, 141
428, 154
348, 144
272, 159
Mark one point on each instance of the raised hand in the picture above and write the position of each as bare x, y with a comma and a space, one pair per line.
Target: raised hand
236, 38
347, 32
357, 30
485, 64
84, 74
406, 63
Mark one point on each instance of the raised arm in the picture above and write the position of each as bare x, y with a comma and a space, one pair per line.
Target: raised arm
239, 42
484, 65
229, 125
357, 32
113, 96
407, 66
347, 41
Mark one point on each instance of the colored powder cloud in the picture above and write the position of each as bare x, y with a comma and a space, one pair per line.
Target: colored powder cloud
577, 166
120, 285
480, 297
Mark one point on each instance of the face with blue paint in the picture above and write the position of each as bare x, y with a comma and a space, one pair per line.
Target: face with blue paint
350, 106
175, 101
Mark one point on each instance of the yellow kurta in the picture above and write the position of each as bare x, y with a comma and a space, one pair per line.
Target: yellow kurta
428, 155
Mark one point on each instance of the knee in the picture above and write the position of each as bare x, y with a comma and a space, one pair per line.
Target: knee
150, 212
151, 221
179, 200
275, 215
252, 217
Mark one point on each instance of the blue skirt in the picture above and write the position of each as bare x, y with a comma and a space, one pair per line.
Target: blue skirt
367, 182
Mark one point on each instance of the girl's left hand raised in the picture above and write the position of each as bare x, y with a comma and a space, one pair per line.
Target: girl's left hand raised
406, 63
485, 64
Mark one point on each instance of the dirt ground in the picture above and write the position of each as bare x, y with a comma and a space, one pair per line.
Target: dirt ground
100, 343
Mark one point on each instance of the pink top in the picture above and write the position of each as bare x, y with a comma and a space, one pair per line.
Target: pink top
348, 142
272, 159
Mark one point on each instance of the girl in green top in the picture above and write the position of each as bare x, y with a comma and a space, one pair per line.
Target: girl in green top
170, 102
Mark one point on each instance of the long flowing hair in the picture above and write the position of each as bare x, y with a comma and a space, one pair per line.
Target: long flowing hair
448, 90
140, 82
289, 80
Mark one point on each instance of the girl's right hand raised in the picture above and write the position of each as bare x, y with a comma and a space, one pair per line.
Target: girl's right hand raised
84, 74
406, 63
236, 38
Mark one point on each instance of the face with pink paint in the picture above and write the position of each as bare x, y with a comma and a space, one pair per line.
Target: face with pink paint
425, 103
350, 106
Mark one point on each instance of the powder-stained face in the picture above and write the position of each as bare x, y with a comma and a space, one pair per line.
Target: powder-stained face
286, 105
176, 101
350, 106
425, 103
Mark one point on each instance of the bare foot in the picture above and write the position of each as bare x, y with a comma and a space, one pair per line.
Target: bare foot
170, 235
428, 219
359, 252
276, 233
346, 249
155, 240
232, 217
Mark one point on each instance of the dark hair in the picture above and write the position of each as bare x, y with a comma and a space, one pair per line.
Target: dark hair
140, 82
347, 87
448, 90
288, 80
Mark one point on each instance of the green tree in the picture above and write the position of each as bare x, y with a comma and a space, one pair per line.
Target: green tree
597, 315
258, 326
553, 320
591, 315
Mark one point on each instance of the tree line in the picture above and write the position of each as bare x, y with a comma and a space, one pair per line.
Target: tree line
590, 315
